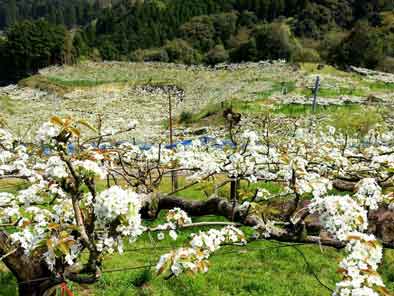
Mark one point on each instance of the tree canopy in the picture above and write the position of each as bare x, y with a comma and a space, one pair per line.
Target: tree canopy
218, 31
30, 46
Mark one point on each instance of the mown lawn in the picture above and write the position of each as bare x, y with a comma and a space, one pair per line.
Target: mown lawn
261, 268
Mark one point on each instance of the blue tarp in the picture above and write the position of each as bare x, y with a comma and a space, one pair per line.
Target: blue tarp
205, 140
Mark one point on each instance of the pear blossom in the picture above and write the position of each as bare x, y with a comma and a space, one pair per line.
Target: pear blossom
47, 132
368, 193
340, 215
202, 245
90, 168
56, 168
117, 204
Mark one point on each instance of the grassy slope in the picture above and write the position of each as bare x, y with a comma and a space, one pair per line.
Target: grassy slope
261, 268
110, 89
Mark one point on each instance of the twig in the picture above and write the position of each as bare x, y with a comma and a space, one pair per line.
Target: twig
8, 254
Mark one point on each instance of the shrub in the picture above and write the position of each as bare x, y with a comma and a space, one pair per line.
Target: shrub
179, 51
364, 47
275, 41
331, 40
386, 65
150, 55
108, 50
186, 117
307, 55
217, 55
242, 46
199, 32
356, 120
30, 46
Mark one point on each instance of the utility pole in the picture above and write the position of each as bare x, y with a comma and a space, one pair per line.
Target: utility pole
174, 180
315, 91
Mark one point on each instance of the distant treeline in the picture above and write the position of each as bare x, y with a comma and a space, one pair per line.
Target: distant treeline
341, 32
211, 31
29, 46
69, 13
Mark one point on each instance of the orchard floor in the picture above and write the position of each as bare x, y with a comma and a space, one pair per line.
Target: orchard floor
264, 268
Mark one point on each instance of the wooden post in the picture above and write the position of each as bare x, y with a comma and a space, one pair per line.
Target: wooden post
315, 91
174, 181
234, 195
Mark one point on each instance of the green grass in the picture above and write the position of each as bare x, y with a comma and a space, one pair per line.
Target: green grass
7, 283
329, 70
278, 87
296, 110
381, 86
261, 268
12, 185
213, 112
331, 92
78, 83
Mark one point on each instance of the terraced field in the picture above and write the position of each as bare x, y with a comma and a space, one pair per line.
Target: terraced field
122, 92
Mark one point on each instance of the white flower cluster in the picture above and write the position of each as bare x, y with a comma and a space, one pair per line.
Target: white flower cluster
369, 194
340, 215
307, 182
14, 160
47, 132
133, 153
346, 219
263, 194
313, 183
387, 160
67, 246
89, 168
108, 244
197, 157
56, 168
6, 138
249, 159
40, 227
194, 258
175, 218
36, 193
178, 217
118, 207
359, 268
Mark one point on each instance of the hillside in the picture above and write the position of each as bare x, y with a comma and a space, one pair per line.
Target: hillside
134, 91
196, 147
66, 12
275, 97
342, 33
218, 31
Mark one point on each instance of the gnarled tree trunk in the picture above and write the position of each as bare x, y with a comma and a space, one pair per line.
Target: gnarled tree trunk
32, 274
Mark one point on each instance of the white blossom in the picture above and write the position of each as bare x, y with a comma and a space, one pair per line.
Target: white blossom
47, 132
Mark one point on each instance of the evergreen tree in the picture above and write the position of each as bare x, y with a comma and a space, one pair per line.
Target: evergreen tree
30, 46
70, 17
10, 12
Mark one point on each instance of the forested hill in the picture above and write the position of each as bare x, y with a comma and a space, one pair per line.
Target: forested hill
65, 12
211, 31
340, 32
